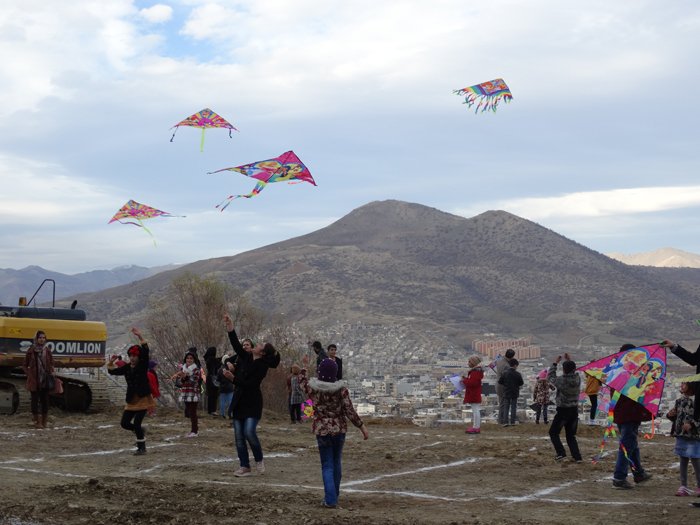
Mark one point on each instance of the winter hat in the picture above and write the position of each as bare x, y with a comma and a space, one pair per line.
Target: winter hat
542, 374
134, 350
328, 371
152, 364
474, 361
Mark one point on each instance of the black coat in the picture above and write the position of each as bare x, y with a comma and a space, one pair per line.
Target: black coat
247, 396
137, 383
692, 358
511, 381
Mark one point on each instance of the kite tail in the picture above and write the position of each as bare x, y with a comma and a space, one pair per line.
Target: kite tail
229, 133
171, 138
201, 142
258, 188
646, 434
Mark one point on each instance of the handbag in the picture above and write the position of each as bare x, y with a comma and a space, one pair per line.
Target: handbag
58, 386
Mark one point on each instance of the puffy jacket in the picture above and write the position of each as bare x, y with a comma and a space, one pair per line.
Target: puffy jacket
568, 386
472, 385
511, 381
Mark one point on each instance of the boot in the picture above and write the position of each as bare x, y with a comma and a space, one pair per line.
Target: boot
44, 419
35, 419
140, 447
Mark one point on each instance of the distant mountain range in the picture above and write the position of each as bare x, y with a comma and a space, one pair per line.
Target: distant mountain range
23, 283
662, 258
416, 270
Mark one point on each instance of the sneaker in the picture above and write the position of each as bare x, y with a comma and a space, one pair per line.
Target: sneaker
242, 472
505, 425
621, 484
684, 491
260, 467
640, 478
191, 435
326, 505
559, 458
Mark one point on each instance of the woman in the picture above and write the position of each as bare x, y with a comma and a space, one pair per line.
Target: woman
138, 389
213, 364
251, 369
332, 405
332, 351
38, 366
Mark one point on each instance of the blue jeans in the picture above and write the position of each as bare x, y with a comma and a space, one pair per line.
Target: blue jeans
511, 407
628, 438
331, 450
224, 402
245, 431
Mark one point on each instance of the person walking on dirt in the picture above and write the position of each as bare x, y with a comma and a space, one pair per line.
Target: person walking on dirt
251, 369
138, 389
332, 405
38, 366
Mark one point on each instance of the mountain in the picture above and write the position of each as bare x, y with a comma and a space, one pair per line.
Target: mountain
16, 283
418, 273
662, 258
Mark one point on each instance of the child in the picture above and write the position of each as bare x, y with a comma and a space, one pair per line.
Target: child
226, 386
511, 381
187, 379
155, 385
296, 395
332, 405
472, 392
540, 396
686, 429
138, 389
592, 388
568, 387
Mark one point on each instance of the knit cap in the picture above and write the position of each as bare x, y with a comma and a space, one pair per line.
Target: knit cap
328, 371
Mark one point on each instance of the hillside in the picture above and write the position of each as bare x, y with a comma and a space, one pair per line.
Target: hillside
394, 263
662, 258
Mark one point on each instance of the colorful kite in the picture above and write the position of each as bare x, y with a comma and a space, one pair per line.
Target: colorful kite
307, 409
287, 167
488, 94
134, 213
204, 119
639, 374
456, 382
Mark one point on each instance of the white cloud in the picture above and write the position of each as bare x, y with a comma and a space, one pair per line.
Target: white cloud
157, 14
615, 202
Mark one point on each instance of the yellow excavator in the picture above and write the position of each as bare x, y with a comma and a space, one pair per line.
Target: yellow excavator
75, 342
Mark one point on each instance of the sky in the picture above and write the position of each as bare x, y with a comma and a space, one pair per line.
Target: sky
600, 141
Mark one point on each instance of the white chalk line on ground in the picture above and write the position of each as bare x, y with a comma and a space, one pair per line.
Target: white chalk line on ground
37, 471
408, 472
110, 452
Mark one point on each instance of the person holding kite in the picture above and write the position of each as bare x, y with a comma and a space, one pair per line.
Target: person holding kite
566, 417
686, 429
692, 358
472, 392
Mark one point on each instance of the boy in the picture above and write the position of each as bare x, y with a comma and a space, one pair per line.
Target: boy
568, 387
511, 381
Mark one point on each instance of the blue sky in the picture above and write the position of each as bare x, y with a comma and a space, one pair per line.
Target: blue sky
599, 144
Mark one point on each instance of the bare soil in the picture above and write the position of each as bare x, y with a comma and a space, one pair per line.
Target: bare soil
81, 470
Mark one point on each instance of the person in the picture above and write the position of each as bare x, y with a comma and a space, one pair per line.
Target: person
38, 367
188, 380
332, 406
568, 387
540, 396
501, 366
686, 430
154, 383
692, 358
511, 381
319, 351
295, 394
212, 364
591, 389
138, 389
251, 369
628, 415
472, 392
225, 387
332, 354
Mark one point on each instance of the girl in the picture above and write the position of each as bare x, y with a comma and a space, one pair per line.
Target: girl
251, 369
332, 405
686, 430
296, 395
472, 392
187, 379
138, 389
225, 387
540, 396
38, 366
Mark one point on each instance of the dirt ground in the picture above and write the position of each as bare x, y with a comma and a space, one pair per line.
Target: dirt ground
81, 470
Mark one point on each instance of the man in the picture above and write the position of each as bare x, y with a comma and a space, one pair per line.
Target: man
628, 415
319, 351
332, 351
501, 366
568, 387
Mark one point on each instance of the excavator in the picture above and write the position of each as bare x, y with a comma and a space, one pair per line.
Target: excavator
76, 344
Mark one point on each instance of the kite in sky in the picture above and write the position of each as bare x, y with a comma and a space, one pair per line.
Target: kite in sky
487, 94
204, 119
638, 373
287, 167
134, 213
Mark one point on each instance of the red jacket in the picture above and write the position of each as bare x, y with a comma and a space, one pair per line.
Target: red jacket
472, 385
153, 381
